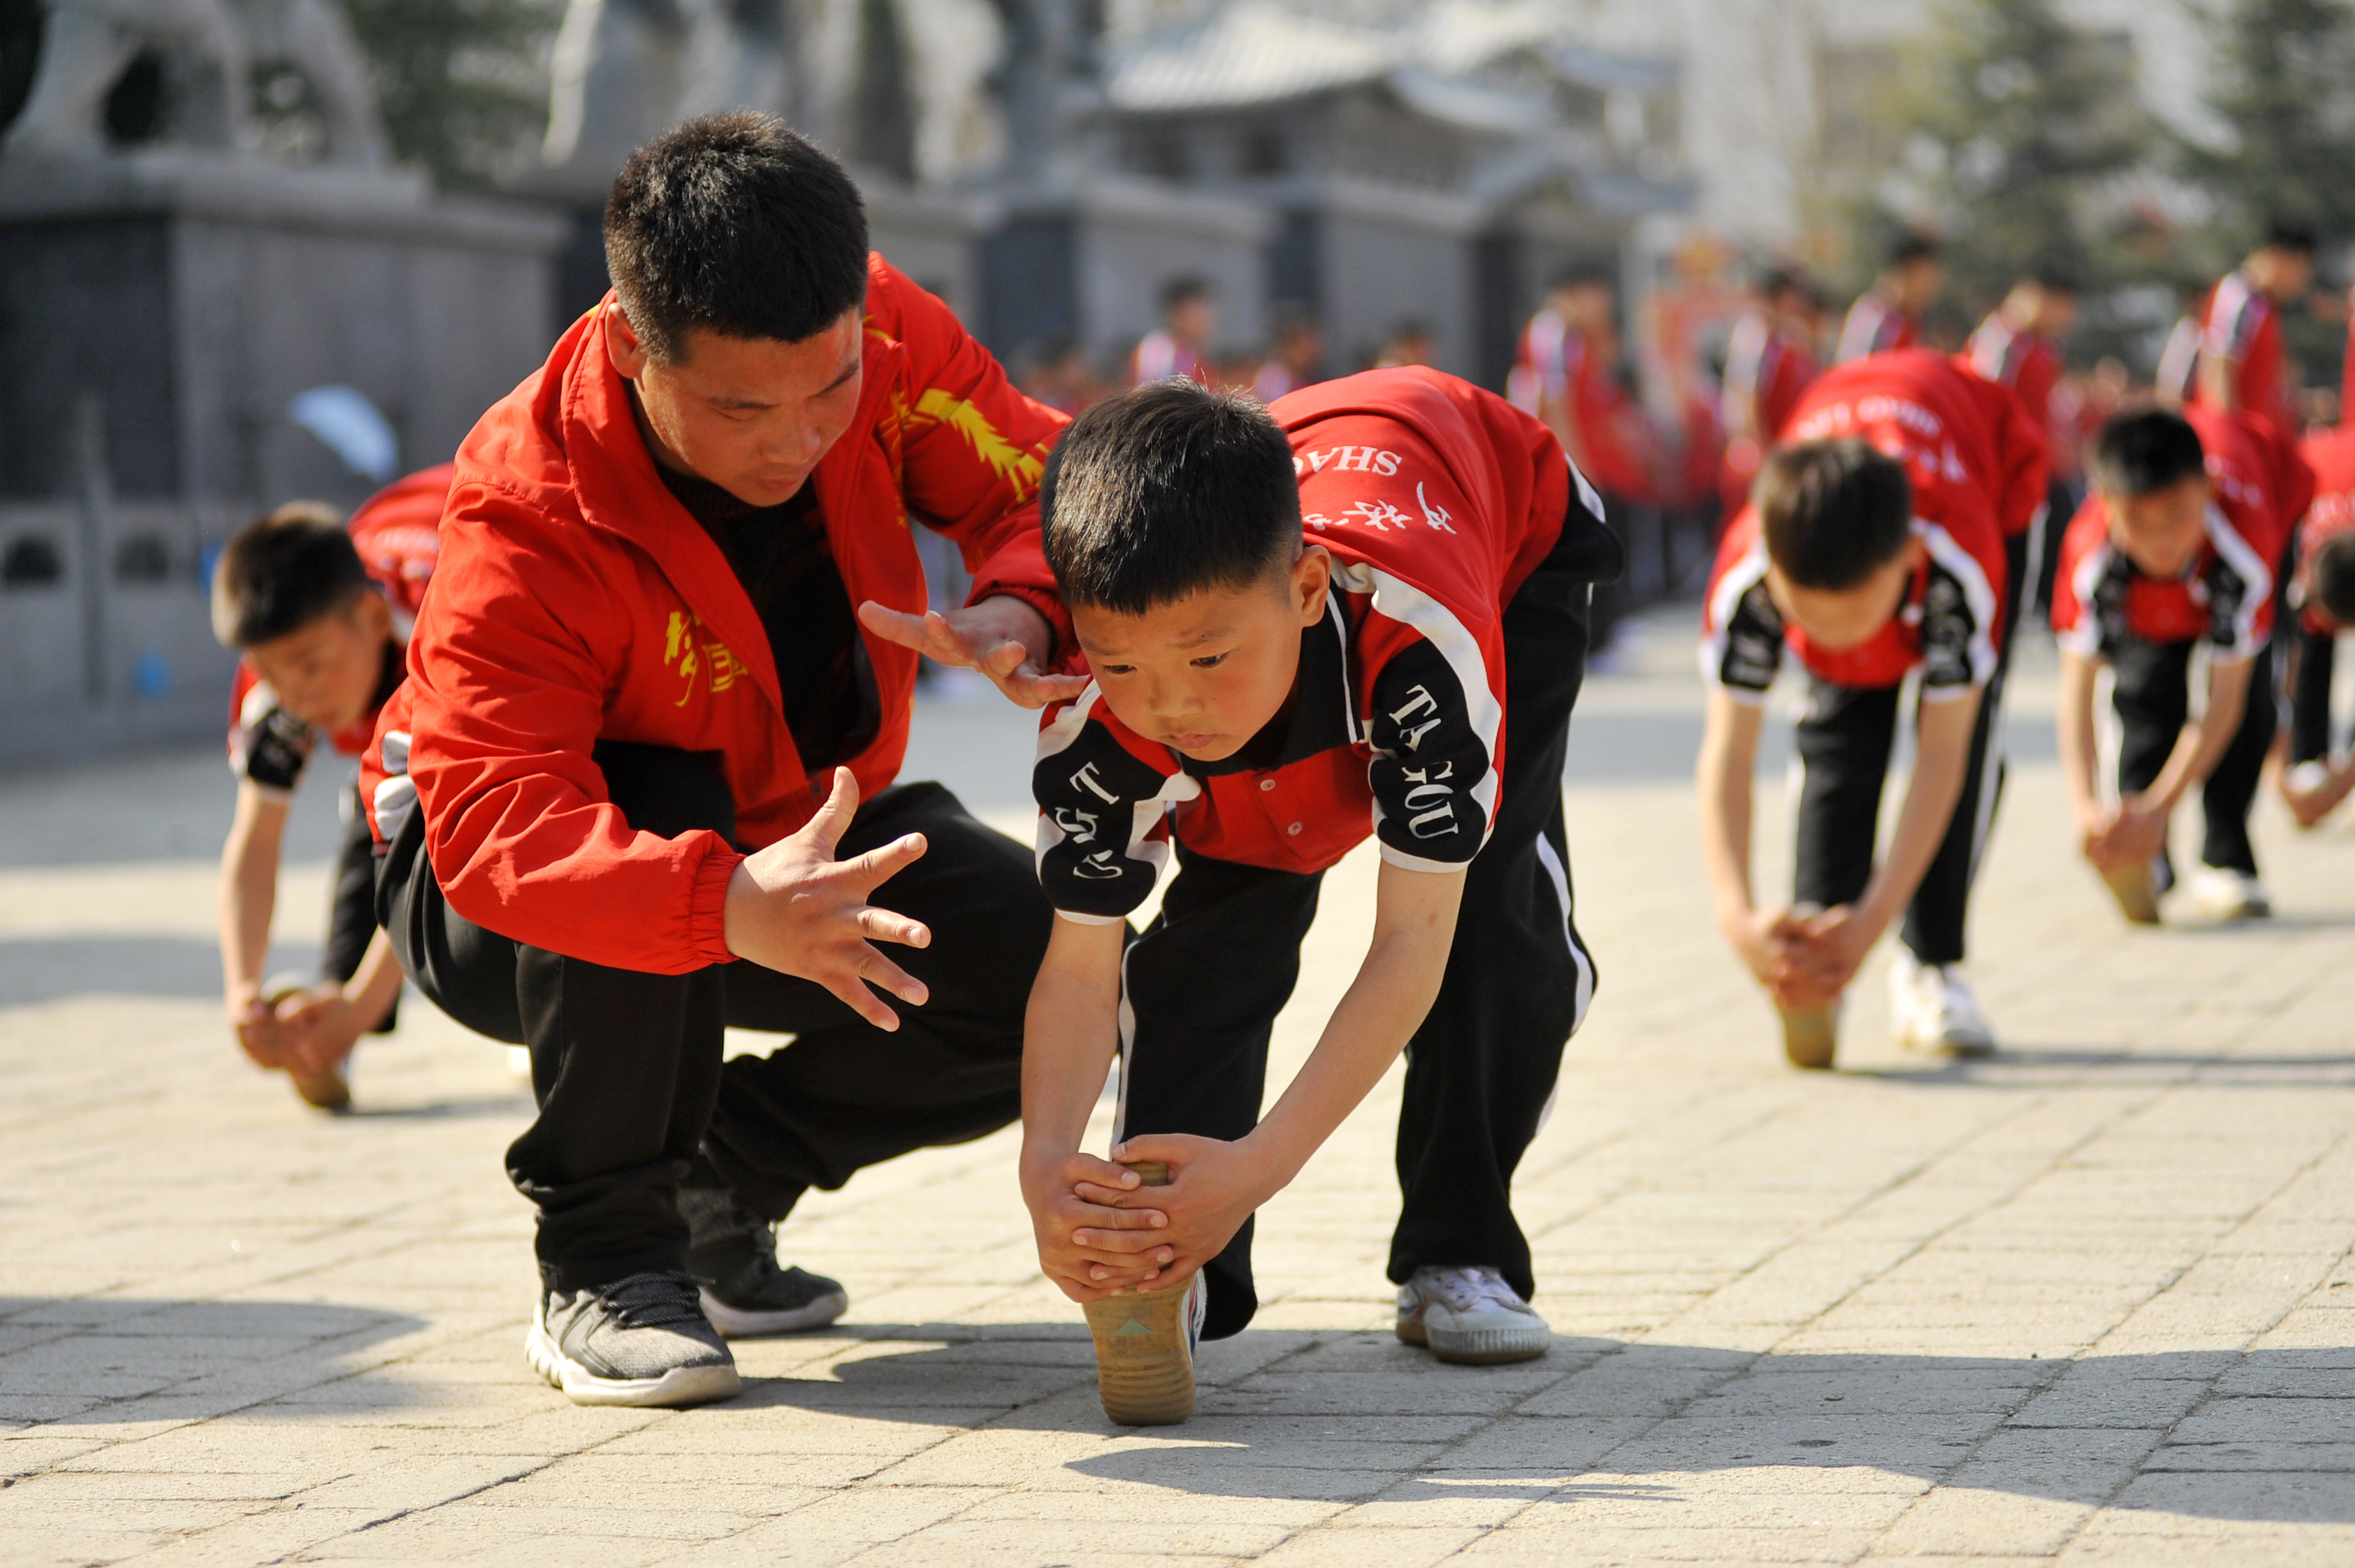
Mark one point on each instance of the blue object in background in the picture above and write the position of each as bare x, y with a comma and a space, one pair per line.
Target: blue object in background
151, 676
352, 428
209, 556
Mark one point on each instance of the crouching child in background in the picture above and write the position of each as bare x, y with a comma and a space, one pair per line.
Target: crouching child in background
2175, 548
320, 613
1267, 698
2322, 590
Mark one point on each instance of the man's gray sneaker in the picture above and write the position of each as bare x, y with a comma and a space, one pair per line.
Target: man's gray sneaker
732, 1253
641, 1340
1469, 1316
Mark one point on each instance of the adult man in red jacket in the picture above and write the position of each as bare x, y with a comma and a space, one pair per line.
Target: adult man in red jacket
639, 663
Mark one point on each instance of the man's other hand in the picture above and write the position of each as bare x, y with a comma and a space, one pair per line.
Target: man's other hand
1004, 638
793, 908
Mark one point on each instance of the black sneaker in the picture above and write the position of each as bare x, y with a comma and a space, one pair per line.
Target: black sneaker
641, 1340
732, 1253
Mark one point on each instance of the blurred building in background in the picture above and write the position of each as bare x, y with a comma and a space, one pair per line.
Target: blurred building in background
196, 329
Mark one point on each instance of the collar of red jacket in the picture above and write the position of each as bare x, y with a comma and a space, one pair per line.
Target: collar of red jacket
617, 489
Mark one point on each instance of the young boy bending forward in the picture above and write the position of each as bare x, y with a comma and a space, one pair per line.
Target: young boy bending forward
1266, 697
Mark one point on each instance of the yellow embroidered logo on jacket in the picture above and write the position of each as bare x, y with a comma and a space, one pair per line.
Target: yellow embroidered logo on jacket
1019, 468
694, 657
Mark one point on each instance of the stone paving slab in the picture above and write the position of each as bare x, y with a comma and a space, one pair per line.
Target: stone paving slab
2089, 1302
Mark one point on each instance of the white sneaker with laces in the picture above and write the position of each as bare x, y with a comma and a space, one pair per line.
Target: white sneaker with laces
1933, 1009
1469, 1316
2218, 894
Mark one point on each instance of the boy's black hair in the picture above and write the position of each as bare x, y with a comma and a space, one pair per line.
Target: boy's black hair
1833, 512
2331, 579
283, 570
2287, 233
1177, 291
2145, 450
1166, 491
1910, 247
1584, 275
736, 224
1777, 282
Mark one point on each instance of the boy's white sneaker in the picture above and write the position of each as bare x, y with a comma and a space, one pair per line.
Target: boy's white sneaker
1469, 1316
2219, 894
1931, 1009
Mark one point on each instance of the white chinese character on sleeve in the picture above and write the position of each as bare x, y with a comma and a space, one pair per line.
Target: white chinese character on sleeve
1377, 515
1435, 516
1317, 521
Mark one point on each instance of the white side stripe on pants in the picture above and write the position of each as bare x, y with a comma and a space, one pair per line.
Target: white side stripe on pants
1561, 879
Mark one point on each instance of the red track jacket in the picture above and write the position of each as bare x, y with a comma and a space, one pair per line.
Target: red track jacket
577, 601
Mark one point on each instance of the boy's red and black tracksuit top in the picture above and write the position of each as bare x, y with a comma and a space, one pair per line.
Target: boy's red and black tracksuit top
579, 602
1430, 712
1979, 466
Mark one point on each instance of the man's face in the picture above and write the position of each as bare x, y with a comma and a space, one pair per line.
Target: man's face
1838, 618
1586, 306
1917, 284
326, 674
1193, 319
2282, 274
2161, 532
753, 415
1204, 674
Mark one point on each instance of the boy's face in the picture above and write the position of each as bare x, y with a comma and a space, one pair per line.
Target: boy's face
326, 674
1837, 618
1917, 284
753, 415
1193, 319
2161, 532
1203, 674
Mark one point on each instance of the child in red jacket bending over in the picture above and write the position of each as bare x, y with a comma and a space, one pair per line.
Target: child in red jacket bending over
2175, 548
1361, 612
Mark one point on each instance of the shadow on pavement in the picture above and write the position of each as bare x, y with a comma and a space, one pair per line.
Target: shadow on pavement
1340, 1416
49, 968
106, 1359
2033, 1066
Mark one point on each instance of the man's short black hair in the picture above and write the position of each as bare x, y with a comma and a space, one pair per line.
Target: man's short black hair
1167, 491
2056, 275
1584, 275
2143, 451
283, 572
1833, 512
2331, 578
2284, 232
1910, 247
736, 224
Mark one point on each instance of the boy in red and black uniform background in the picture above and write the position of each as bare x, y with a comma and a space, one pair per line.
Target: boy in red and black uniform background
2176, 549
2243, 366
640, 784
1887, 317
2322, 593
1360, 612
1902, 501
1770, 361
321, 613
2018, 347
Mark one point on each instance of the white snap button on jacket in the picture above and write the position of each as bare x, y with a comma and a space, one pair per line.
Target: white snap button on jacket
1267, 783
1293, 829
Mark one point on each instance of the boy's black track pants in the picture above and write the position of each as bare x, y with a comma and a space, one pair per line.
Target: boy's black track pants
627, 1066
1844, 739
1206, 980
2151, 690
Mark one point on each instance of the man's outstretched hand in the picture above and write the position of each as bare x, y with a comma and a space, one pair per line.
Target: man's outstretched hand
793, 908
1004, 638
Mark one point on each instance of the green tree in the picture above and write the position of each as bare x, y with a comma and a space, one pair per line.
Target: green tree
2016, 125
2284, 87
461, 84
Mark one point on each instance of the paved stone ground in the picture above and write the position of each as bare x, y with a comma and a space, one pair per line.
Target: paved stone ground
2089, 1301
